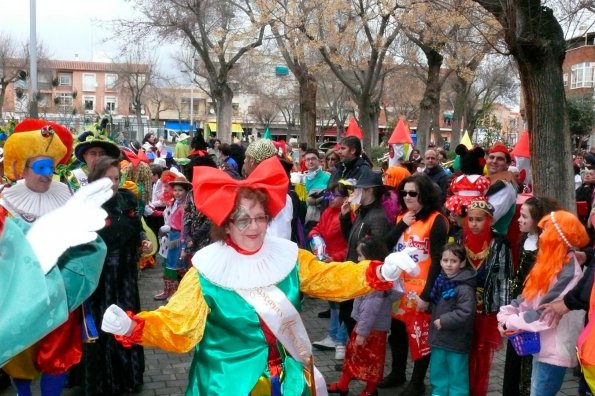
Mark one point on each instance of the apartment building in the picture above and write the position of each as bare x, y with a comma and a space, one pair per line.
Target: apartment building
579, 65
72, 92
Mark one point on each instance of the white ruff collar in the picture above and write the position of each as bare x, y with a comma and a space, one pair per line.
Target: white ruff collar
20, 201
224, 266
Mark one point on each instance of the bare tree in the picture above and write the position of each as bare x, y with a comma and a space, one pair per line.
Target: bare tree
12, 65
353, 38
219, 31
536, 41
333, 103
136, 73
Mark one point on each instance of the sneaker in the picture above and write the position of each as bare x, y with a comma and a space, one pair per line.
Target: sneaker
327, 343
339, 352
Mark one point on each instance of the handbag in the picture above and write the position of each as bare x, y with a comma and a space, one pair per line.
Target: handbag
417, 325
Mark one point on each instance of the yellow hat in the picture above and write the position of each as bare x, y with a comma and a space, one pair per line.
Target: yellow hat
35, 138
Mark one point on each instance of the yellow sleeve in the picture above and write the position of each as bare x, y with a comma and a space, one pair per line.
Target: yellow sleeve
179, 325
332, 281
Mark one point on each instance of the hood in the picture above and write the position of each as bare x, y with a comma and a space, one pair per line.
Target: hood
467, 275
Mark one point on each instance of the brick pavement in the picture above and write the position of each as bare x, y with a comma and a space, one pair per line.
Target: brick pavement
166, 373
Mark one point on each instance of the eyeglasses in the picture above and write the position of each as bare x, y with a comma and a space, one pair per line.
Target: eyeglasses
412, 194
243, 222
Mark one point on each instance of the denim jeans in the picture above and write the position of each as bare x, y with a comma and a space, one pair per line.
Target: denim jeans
546, 379
337, 330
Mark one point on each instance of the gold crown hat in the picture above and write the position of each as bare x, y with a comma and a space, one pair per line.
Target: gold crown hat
481, 204
35, 138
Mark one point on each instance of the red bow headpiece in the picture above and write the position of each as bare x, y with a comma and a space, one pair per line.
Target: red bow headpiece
215, 191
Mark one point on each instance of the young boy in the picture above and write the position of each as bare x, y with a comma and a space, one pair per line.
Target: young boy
453, 310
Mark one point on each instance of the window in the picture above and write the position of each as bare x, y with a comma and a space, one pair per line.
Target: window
581, 75
89, 103
64, 101
44, 81
65, 79
89, 83
565, 78
236, 109
110, 81
110, 103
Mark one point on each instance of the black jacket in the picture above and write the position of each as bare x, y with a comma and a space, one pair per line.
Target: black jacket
440, 178
369, 220
348, 170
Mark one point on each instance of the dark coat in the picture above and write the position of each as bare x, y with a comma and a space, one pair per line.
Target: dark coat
348, 170
370, 220
440, 178
456, 315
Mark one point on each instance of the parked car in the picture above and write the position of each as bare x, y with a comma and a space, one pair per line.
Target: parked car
326, 146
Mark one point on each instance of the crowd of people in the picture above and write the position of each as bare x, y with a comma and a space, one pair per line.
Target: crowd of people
436, 263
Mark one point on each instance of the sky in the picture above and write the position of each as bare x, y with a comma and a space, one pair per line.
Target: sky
70, 27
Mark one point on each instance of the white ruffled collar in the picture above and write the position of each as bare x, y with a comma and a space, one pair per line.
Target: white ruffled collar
224, 266
22, 202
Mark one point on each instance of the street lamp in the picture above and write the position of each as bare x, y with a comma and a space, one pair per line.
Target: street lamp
193, 75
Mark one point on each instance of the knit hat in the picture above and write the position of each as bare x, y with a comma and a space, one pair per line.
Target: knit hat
499, 148
261, 150
34, 138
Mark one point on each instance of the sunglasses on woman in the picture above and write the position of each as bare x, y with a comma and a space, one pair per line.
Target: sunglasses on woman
412, 194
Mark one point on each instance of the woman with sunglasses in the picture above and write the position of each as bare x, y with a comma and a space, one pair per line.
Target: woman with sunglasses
331, 159
422, 227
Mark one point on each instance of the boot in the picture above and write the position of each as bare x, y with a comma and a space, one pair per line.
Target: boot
173, 289
167, 286
416, 386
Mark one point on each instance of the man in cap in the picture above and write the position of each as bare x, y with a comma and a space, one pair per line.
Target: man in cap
31, 155
503, 189
257, 152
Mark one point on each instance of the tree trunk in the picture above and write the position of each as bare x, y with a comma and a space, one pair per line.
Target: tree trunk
459, 112
550, 141
536, 41
140, 133
430, 100
224, 107
437, 134
3, 86
308, 88
368, 118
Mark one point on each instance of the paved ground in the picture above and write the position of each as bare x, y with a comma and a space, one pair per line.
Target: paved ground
166, 373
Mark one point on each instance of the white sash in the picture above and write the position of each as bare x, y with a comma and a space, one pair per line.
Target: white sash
285, 323
81, 176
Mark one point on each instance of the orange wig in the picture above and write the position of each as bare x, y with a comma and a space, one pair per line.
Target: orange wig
562, 232
394, 175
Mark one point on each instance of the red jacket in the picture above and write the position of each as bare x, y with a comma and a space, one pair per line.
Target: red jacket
329, 228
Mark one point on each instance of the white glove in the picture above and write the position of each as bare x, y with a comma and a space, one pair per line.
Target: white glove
395, 263
148, 210
73, 224
164, 229
115, 321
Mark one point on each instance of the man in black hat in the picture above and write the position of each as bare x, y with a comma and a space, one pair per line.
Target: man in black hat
370, 220
88, 149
